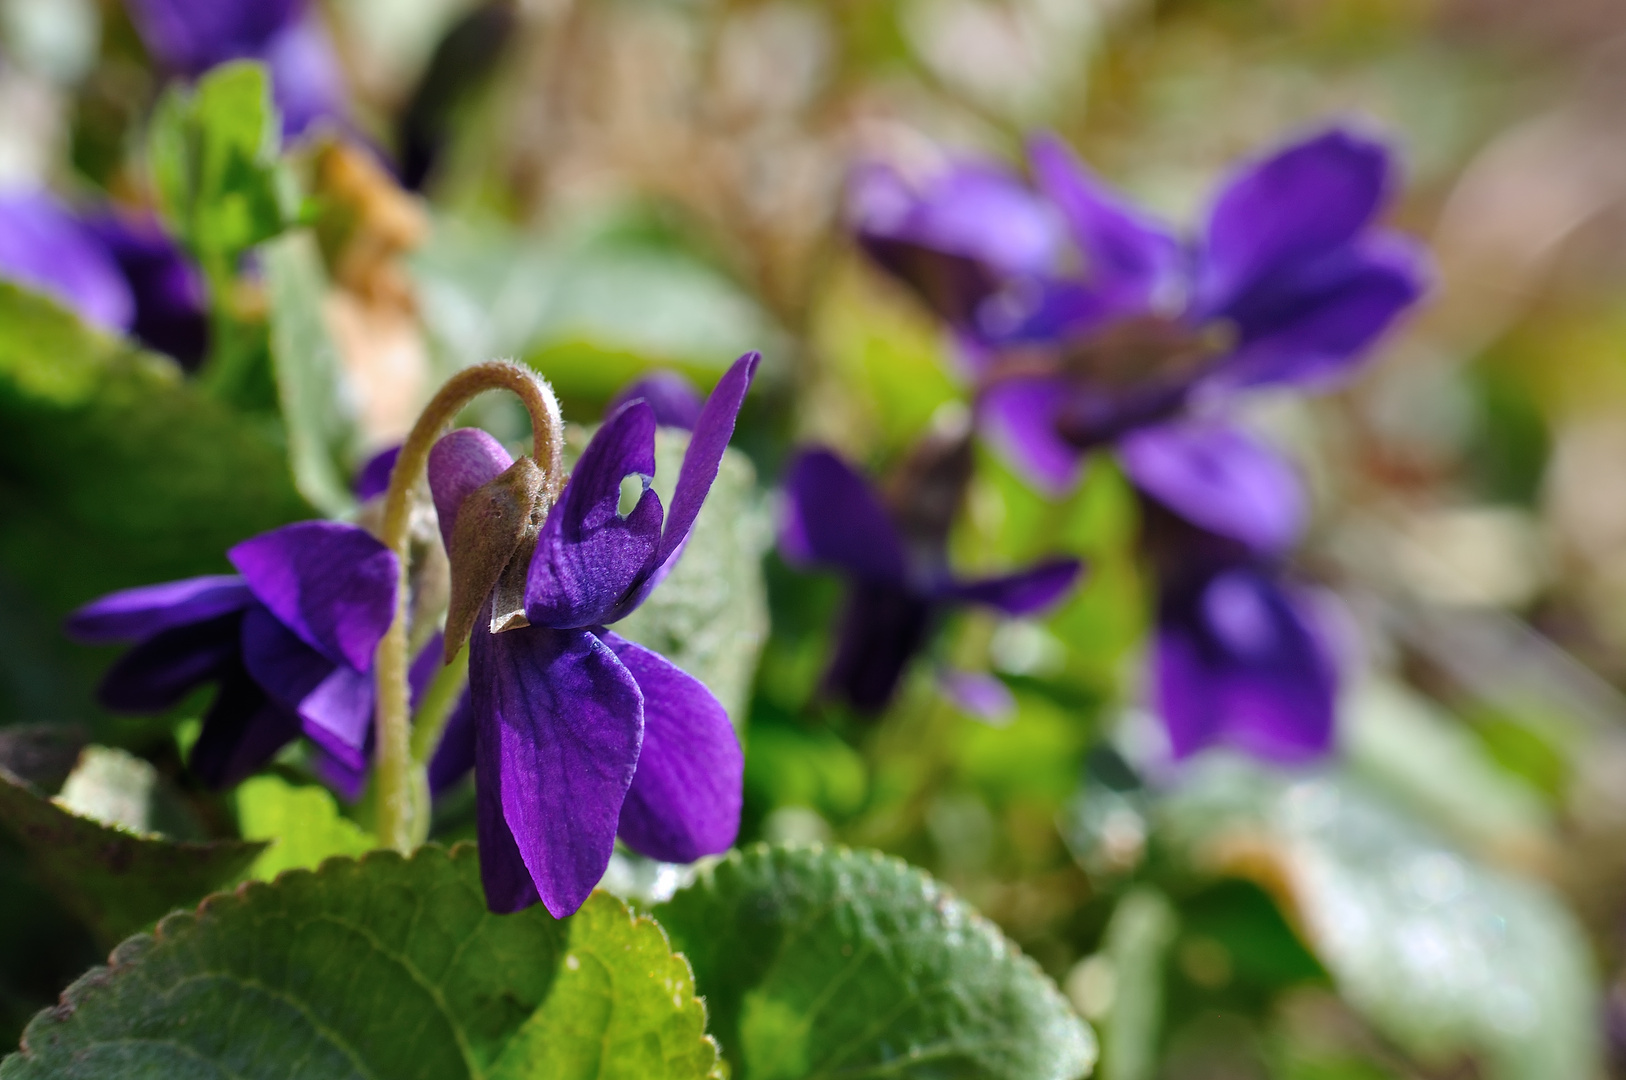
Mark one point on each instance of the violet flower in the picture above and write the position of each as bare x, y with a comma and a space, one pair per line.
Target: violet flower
1109, 322
580, 734
171, 305
289, 641
673, 397
1240, 655
44, 247
191, 36
899, 583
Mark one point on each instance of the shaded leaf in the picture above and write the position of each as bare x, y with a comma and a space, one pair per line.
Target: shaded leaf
819, 962
112, 877
310, 379
380, 967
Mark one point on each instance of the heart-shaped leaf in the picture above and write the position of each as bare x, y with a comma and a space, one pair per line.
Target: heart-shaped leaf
380, 967
825, 962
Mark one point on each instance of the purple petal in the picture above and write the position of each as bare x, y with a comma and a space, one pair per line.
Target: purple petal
559, 722
831, 515
191, 36
1022, 593
158, 673
675, 400
1239, 661
1020, 417
374, 478
334, 702
454, 756
425, 666
1295, 206
882, 628
330, 583
307, 81
588, 555
44, 248
684, 802
139, 613
1220, 479
978, 694
171, 305
242, 732
1310, 328
347, 781
1126, 251
459, 462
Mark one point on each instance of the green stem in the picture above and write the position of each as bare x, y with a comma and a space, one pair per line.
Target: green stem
429, 722
398, 777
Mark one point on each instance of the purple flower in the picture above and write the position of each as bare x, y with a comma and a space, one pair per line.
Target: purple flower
171, 305
374, 478
673, 397
289, 641
896, 566
191, 36
46, 248
581, 735
1114, 323
1239, 654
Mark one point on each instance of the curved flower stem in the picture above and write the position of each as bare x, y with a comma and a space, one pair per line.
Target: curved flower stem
399, 786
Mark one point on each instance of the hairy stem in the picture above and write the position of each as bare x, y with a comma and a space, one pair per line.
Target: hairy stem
401, 785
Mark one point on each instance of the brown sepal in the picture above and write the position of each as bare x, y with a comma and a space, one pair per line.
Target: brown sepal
491, 550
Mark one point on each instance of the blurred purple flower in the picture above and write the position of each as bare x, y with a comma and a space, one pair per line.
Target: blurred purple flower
44, 247
171, 304
675, 400
1239, 655
899, 581
374, 478
289, 640
581, 735
1103, 321
191, 36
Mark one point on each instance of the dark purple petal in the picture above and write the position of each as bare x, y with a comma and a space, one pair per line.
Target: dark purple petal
1126, 252
1047, 312
44, 248
171, 305
459, 462
831, 515
347, 781
330, 583
1238, 661
978, 694
334, 702
684, 802
374, 478
158, 673
425, 666
1020, 417
454, 756
307, 82
588, 555
191, 36
881, 630
1219, 478
1022, 593
242, 732
1311, 327
1295, 206
675, 400
559, 722
132, 614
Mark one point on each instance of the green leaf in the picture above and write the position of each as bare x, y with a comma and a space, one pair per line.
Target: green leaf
1137, 943
214, 160
310, 380
822, 962
1444, 956
302, 825
383, 967
710, 615
116, 471
114, 878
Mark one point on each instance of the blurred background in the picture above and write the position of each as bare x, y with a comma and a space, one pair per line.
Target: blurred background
606, 187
